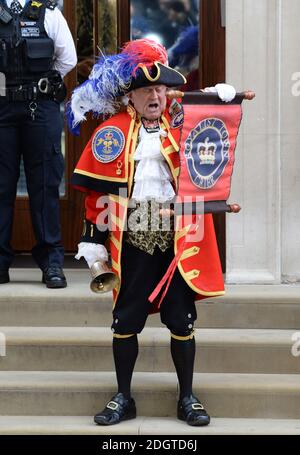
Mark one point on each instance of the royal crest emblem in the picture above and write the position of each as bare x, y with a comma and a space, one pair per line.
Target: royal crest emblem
207, 152
108, 144
177, 114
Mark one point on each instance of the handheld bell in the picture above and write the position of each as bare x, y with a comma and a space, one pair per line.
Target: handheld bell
103, 279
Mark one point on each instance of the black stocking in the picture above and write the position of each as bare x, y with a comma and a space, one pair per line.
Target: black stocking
183, 354
125, 354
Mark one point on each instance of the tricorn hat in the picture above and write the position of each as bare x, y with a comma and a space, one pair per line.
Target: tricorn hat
141, 63
159, 74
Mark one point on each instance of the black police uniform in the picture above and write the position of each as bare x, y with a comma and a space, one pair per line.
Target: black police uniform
31, 127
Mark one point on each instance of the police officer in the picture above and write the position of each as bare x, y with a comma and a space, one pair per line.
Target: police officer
36, 52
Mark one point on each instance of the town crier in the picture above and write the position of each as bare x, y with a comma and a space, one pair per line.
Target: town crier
129, 171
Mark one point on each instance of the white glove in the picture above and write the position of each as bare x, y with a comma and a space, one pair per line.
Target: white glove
92, 252
225, 91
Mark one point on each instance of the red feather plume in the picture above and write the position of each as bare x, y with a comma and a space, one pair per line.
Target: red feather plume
146, 52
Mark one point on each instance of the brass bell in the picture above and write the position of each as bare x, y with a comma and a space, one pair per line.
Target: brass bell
103, 278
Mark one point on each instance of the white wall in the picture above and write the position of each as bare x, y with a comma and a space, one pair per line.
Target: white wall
255, 251
290, 139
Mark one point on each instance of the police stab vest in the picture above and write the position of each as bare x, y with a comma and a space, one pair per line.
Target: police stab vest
26, 51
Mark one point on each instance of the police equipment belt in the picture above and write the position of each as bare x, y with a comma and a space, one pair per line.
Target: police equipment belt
49, 87
26, 93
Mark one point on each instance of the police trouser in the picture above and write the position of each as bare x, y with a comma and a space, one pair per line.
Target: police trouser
38, 141
141, 272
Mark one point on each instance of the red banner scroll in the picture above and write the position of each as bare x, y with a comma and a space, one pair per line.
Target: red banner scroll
208, 148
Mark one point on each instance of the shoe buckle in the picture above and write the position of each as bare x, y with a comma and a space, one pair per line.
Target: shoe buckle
112, 405
197, 406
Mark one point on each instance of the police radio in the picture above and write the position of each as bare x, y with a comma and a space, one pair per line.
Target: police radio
5, 17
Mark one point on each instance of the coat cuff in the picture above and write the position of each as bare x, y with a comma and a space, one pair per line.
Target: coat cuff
91, 233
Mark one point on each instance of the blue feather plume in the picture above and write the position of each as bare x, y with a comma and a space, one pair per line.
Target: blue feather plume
109, 80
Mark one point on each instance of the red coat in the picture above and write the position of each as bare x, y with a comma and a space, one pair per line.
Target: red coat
199, 263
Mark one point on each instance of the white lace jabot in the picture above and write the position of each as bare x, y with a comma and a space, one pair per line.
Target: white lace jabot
152, 178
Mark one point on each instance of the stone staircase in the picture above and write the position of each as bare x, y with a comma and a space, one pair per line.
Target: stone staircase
58, 369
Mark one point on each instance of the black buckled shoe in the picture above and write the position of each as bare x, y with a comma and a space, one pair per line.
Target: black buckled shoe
4, 276
54, 278
117, 410
192, 412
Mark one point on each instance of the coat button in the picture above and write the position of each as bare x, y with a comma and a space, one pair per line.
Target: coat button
189, 316
190, 326
116, 321
119, 168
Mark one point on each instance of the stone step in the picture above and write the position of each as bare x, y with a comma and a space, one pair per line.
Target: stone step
90, 349
84, 425
84, 393
27, 302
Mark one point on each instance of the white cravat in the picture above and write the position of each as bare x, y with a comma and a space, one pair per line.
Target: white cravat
65, 57
152, 179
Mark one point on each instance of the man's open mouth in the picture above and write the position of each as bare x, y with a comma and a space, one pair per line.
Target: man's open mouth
153, 106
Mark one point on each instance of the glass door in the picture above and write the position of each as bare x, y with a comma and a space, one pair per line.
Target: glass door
175, 25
